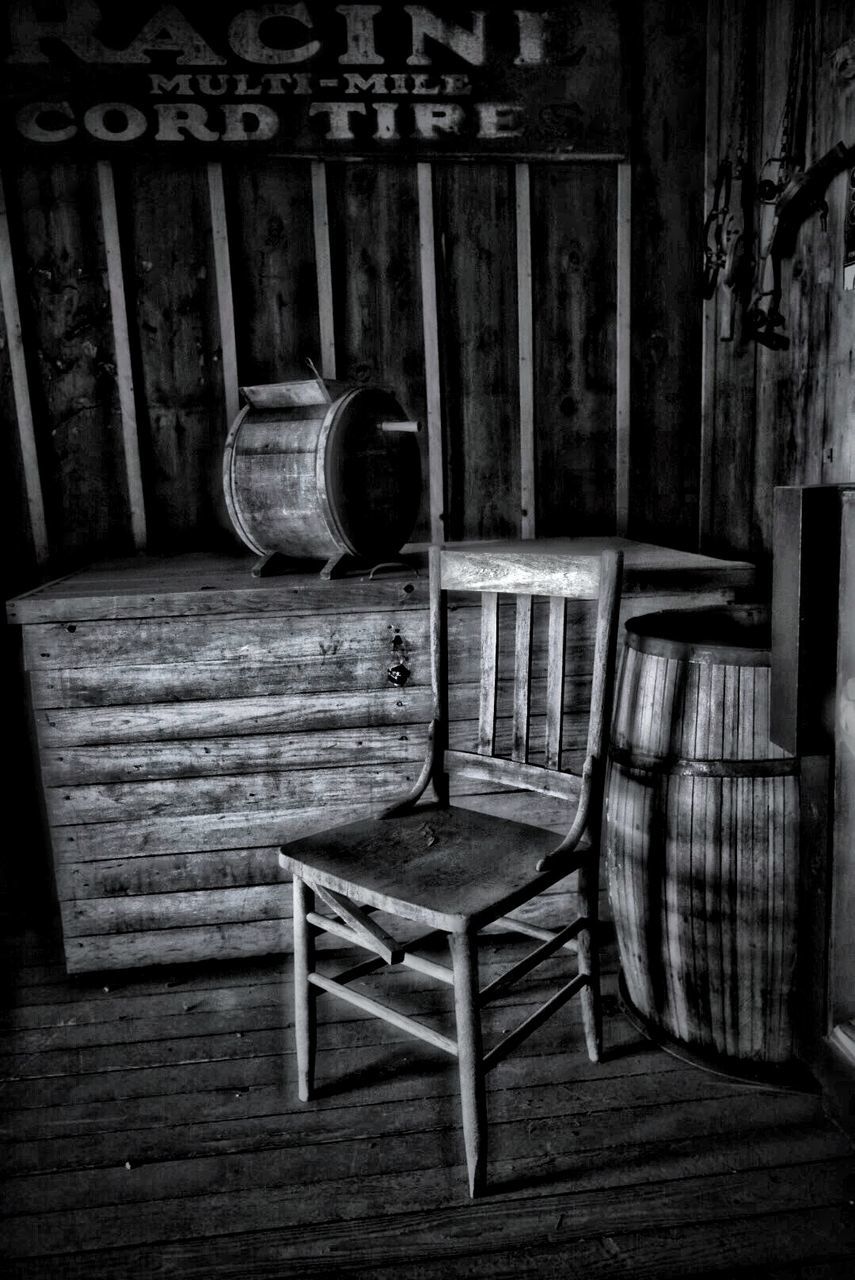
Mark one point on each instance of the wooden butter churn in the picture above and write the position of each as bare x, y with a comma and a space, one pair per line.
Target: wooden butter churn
322, 471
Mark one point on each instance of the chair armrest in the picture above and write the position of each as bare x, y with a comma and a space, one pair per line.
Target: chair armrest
409, 802
580, 822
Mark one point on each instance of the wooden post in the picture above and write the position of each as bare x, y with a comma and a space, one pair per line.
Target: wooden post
528, 513
622, 347
21, 389
122, 347
223, 278
323, 268
427, 261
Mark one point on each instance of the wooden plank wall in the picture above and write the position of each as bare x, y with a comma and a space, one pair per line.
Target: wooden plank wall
714, 424
536, 437
780, 417
370, 323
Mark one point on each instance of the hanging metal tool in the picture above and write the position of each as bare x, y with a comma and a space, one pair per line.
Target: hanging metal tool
727, 236
764, 318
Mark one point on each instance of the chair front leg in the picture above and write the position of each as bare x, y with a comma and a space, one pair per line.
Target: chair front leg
305, 996
589, 957
473, 1099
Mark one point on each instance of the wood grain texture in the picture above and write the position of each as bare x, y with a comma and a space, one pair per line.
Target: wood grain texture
779, 436
67, 311
141, 779
214, 718
704, 868
843, 884
223, 281
573, 228
205, 583
430, 335
122, 348
274, 284
623, 346
489, 672
177, 331
667, 220
374, 217
15, 368
525, 344
323, 269
191, 718
782, 417
184, 1076
728, 409
477, 311
191, 640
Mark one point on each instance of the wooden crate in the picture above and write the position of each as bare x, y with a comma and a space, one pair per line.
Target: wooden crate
188, 717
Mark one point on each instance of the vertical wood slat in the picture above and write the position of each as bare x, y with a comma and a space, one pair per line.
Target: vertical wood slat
522, 679
708, 324
323, 268
622, 346
223, 280
21, 388
489, 672
526, 350
121, 340
427, 262
555, 681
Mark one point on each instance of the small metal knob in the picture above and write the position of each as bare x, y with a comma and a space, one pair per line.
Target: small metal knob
399, 674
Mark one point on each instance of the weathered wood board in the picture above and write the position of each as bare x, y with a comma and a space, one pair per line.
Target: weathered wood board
190, 711
189, 718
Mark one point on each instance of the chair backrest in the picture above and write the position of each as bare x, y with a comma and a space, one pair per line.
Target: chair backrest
532, 754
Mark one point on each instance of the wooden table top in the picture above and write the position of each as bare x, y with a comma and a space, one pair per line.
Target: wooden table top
213, 582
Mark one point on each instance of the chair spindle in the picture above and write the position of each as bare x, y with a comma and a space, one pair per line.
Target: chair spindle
522, 679
489, 673
555, 681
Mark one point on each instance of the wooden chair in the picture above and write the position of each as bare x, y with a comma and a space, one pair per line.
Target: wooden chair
457, 871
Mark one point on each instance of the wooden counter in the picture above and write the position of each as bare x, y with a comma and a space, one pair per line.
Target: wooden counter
189, 716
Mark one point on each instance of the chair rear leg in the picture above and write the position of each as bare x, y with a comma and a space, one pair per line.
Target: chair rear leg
305, 996
473, 1098
589, 958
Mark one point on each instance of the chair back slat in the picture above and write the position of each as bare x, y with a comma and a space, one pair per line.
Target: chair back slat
525, 567
522, 679
489, 673
513, 773
555, 681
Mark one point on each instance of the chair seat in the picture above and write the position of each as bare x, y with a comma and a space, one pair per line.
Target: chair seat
452, 869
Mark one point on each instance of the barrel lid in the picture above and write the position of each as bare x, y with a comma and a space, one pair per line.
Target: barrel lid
739, 635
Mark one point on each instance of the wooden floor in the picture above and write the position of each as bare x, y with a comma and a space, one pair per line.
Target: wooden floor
151, 1128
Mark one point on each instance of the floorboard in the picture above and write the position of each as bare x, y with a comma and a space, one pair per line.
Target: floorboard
151, 1128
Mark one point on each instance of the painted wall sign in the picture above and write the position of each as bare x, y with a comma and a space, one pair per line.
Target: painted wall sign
316, 77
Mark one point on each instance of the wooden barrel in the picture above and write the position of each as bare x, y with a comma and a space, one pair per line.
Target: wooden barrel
314, 477
702, 837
